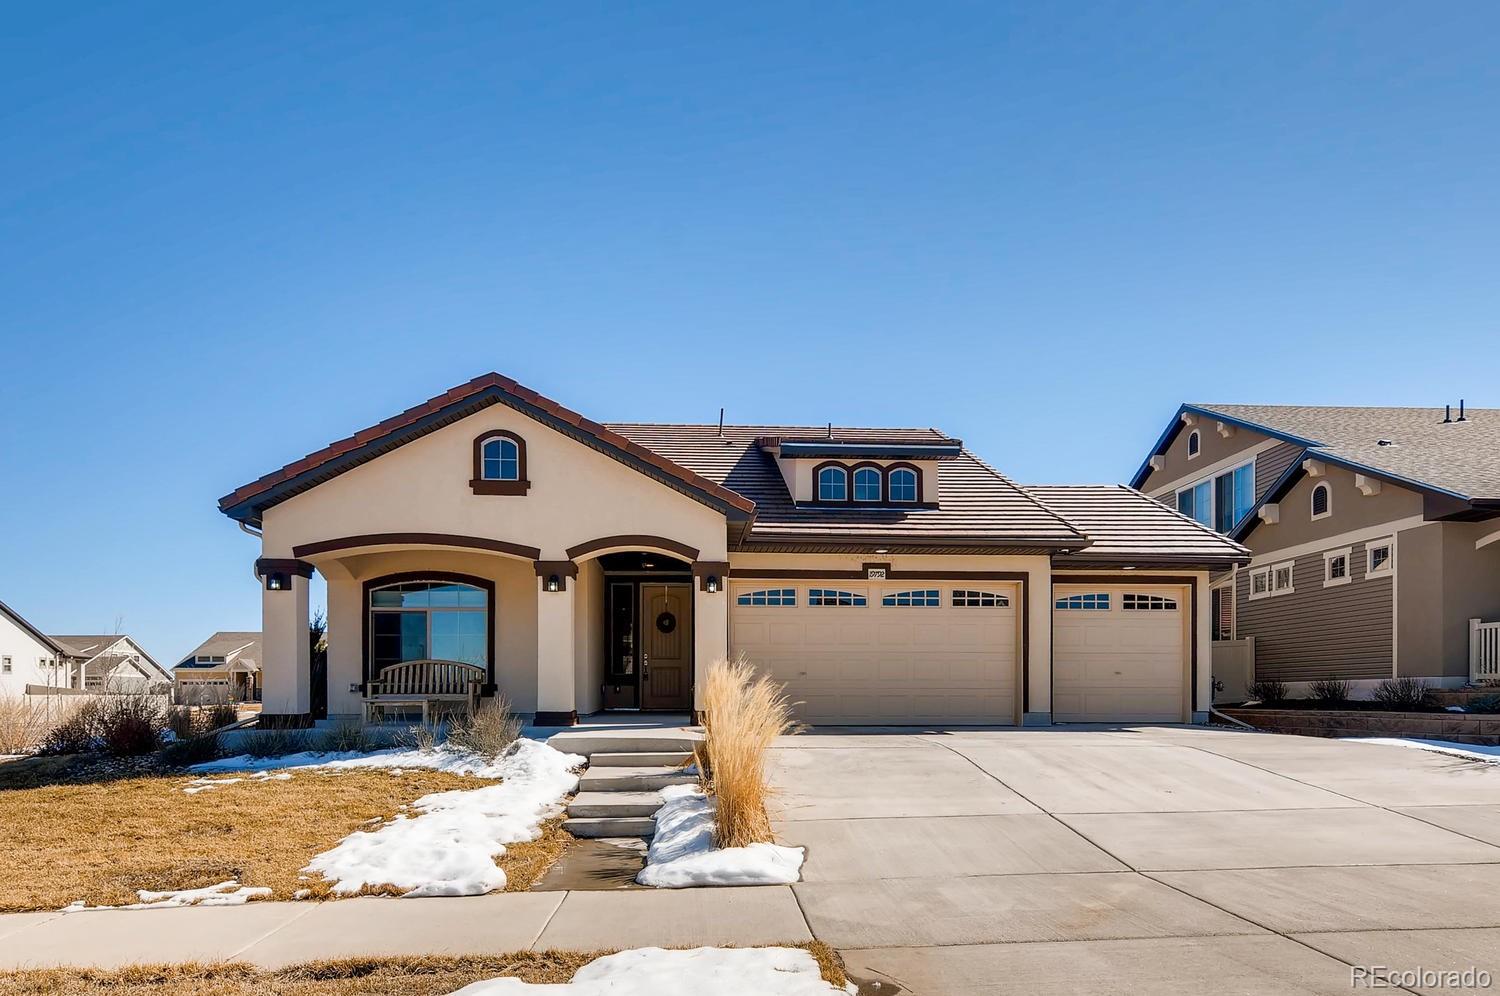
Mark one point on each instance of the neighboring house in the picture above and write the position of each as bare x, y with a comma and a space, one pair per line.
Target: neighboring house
27, 655
884, 575
110, 664
225, 667
1374, 534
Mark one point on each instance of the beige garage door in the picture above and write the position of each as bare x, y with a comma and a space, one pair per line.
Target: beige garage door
883, 653
1118, 653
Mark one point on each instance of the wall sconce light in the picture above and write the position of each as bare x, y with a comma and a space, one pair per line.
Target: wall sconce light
712, 584
554, 583
278, 581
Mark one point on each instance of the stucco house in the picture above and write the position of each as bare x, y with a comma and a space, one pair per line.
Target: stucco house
1374, 536
885, 575
223, 668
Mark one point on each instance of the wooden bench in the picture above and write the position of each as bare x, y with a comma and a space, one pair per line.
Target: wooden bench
424, 683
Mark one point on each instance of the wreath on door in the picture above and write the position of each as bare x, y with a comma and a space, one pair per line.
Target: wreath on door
666, 622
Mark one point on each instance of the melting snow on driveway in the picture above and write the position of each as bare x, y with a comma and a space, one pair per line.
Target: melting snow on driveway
658, 972
682, 853
449, 847
1474, 752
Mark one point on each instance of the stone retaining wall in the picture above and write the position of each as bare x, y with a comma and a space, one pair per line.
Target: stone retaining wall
1464, 729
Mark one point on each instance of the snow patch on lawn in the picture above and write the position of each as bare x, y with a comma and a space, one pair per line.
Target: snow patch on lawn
208, 784
229, 893
1474, 752
449, 847
682, 853
658, 972
443, 758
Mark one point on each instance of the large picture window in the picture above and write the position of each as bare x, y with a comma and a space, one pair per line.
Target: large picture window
429, 620
1220, 502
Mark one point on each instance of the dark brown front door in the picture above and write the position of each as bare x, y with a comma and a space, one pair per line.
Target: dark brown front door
666, 646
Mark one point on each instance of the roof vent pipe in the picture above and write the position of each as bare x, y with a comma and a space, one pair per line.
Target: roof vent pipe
1447, 414
721, 423
1461, 410
830, 430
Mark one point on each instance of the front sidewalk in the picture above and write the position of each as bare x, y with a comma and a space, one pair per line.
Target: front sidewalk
273, 935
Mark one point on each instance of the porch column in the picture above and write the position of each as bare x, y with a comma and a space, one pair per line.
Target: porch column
287, 667
556, 700
710, 623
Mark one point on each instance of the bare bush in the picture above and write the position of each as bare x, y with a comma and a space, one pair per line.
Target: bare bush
274, 743
1330, 691
418, 736
489, 731
347, 737
1403, 693
24, 723
130, 725
1268, 690
743, 714
193, 750
77, 732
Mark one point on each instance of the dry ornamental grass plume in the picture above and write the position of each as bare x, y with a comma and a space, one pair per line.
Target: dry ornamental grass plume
743, 714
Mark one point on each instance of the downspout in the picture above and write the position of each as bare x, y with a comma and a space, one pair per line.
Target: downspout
250, 531
1230, 719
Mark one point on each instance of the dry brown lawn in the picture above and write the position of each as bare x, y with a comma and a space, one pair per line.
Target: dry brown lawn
100, 842
354, 977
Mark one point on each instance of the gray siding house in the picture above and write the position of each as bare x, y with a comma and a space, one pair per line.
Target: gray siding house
1374, 535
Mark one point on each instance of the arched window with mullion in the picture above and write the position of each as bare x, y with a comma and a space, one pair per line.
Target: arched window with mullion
867, 484
833, 484
501, 460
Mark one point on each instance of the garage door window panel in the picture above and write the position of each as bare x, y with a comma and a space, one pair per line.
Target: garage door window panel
965, 598
919, 598
829, 597
1097, 601
768, 597
1148, 603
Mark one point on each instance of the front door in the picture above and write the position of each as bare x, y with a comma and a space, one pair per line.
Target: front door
666, 646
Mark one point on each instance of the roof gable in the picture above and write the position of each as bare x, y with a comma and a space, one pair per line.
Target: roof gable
31, 630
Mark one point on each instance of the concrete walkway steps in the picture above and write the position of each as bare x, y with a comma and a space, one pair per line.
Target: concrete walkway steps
620, 792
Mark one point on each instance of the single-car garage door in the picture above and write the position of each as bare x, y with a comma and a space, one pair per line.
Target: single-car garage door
884, 653
1118, 653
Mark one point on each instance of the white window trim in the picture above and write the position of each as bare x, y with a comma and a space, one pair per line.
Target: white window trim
1264, 572
1327, 489
1328, 557
1191, 453
1291, 577
1388, 569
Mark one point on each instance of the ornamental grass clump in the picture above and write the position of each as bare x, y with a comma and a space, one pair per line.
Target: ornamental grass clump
743, 714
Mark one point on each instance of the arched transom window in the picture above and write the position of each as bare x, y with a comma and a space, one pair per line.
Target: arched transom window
500, 460
867, 484
903, 484
833, 484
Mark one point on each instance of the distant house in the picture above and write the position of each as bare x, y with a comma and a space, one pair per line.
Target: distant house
113, 663
27, 655
225, 667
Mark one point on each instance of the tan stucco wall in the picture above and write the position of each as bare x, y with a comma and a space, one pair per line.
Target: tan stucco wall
1351, 511
1215, 448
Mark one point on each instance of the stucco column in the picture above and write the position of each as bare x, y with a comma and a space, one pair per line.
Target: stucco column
1203, 635
345, 645
1038, 664
287, 669
556, 698
710, 624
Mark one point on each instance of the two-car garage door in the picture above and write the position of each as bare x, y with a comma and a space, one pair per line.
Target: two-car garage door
872, 653
1118, 653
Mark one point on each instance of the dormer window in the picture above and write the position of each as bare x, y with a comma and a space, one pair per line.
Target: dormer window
833, 484
499, 464
903, 485
1321, 504
867, 484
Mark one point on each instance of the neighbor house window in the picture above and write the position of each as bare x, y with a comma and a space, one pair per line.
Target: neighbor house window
829, 597
1273, 579
1281, 578
1148, 603
833, 484
1220, 502
499, 464
1381, 558
768, 596
867, 484
1095, 601
1260, 583
428, 620
1336, 567
903, 484
4, 665
924, 597
964, 598
1322, 501
1195, 444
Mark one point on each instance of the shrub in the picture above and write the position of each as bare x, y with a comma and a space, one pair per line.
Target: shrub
217, 716
23, 723
130, 725
347, 737
1485, 703
274, 743
180, 721
1330, 691
489, 731
743, 714
193, 750
418, 736
1403, 693
76, 733
1270, 691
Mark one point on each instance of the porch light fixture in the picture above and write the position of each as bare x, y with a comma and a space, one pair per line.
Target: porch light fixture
278, 581
554, 583
712, 584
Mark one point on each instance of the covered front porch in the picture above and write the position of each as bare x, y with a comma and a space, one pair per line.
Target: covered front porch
619, 623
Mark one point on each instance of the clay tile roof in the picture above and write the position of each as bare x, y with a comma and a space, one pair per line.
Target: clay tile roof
1128, 527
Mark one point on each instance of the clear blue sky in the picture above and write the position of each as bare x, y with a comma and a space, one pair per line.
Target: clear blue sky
231, 235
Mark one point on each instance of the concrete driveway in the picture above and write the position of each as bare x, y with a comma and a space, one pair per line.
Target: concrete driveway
1131, 860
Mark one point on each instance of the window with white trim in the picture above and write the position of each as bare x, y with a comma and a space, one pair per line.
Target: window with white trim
1194, 444
903, 484
1322, 501
867, 484
1133, 602
1380, 558
966, 598
768, 596
922, 597
4, 665
1260, 583
1336, 568
831, 597
1093, 602
1281, 578
500, 460
833, 484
